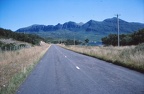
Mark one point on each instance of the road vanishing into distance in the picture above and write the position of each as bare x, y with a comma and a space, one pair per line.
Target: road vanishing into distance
61, 71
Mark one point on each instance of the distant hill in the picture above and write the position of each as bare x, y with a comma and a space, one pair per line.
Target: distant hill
29, 38
93, 30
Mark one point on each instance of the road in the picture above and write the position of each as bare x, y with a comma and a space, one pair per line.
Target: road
61, 71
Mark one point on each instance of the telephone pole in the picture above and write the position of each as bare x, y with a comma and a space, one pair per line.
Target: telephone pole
74, 38
118, 29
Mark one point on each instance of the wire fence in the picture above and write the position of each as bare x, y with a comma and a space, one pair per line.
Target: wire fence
13, 47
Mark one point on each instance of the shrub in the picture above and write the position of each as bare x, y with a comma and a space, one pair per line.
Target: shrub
7, 47
140, 47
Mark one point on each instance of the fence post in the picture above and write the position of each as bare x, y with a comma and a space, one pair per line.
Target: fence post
5, 49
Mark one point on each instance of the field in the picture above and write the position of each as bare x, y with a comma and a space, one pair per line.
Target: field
128, 56
15, 66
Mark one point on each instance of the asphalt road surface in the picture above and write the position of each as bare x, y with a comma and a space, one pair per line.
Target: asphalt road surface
61, 71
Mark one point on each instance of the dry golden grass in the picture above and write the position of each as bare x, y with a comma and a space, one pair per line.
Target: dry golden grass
13, 62
127, 56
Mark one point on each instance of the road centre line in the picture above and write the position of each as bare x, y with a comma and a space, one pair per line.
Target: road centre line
77, 67
69, 59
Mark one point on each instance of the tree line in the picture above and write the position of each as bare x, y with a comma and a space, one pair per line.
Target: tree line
30, 38
125, 39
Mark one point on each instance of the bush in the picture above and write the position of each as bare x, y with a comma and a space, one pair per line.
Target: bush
8, 47
140, 47
11, 46
1, 44
22, 45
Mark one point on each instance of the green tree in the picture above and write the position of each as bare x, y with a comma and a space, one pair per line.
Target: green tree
110, 40
138, 37
86, 41
129, 39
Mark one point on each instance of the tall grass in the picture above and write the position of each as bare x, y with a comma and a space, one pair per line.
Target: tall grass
128, 56
14, 65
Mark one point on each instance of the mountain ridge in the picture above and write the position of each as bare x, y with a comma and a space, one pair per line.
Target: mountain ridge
72, 25
90, 28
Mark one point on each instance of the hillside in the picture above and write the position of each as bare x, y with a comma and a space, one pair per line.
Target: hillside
93, 30
10, 40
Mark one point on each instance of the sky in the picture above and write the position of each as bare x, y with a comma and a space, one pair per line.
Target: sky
15, 14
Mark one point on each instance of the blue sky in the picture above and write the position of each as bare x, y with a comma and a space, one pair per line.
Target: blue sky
15, 14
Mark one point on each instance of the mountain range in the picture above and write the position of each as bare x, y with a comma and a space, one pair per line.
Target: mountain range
93, 30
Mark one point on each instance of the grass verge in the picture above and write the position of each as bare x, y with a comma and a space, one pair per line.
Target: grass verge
131, 57
16, 65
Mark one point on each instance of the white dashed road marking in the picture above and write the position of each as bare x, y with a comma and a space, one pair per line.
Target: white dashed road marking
77, 67
68, 59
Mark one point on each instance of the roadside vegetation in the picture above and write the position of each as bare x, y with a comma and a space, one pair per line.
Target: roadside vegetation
125, 39
12, 45
128, 56
19, 53
16, 65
